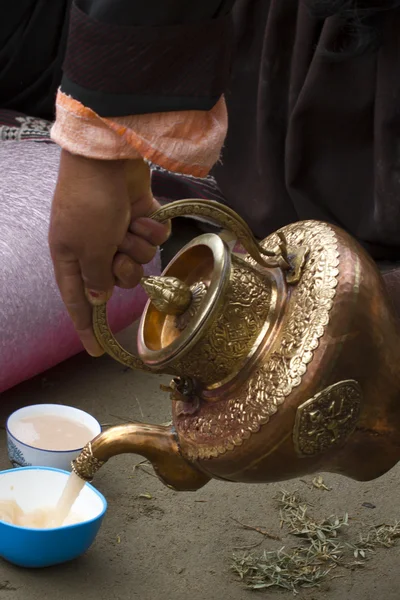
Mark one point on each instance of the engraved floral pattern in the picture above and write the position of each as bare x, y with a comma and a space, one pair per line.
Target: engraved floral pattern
220, 426
235, 328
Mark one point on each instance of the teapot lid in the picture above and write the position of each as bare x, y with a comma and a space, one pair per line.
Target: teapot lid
183, 300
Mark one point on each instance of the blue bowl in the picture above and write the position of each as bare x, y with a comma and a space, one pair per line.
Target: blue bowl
41, 487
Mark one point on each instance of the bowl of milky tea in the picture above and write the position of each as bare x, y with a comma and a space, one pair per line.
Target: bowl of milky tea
47, 516
48, 435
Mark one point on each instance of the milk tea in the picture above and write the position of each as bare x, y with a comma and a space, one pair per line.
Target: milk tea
41, 518
52, 432
49, 432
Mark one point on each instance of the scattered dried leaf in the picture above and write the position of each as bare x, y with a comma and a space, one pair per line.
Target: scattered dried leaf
320, 550
7, 587
319, 484
258, 529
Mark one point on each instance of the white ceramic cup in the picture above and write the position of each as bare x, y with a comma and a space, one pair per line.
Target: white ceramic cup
22, 454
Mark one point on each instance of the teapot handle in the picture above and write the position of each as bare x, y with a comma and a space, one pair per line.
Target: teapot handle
225, 217
221, 215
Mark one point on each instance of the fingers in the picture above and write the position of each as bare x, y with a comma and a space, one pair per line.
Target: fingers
73, 276
69, 280
143, 204
143, 207
97, 274
128, 272
138, 249
153, 232
90, 216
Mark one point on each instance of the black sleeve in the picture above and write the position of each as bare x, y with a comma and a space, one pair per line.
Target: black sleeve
129, 57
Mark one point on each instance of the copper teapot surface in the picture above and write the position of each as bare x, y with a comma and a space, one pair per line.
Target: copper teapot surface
285, 360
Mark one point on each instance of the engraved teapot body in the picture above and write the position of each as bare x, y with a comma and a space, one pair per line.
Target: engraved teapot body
285, 360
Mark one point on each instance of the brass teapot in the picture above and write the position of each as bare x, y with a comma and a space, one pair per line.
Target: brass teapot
285, 360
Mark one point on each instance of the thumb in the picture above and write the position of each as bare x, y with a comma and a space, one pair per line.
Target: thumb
98, 278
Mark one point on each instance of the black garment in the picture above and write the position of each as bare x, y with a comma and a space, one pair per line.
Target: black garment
123, 56
33, 35
126, 57
310, 137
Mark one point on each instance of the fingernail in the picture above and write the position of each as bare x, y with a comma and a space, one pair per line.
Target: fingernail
97, 298
95, 352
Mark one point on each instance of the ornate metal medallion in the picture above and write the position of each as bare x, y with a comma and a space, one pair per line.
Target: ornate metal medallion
326, 420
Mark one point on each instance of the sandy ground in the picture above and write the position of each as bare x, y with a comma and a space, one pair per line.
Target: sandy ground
179, 545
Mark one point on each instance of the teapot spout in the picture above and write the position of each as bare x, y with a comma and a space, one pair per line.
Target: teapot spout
157, 443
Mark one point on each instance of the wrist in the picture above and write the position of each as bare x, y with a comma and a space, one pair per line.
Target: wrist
83, 164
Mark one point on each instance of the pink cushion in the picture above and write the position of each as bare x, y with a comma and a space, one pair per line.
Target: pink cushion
35, 330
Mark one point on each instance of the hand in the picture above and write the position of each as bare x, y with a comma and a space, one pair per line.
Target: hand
99, 235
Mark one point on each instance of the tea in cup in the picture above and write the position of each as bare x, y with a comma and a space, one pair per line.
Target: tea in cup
49, 435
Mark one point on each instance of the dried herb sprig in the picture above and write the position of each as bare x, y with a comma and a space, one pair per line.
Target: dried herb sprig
321, 549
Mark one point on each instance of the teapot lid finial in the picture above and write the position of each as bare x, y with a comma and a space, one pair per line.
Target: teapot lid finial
169, 295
